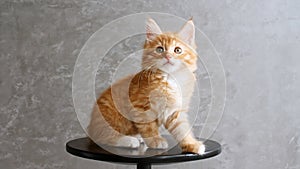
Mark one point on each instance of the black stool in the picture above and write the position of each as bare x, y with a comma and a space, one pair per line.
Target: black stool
85, 148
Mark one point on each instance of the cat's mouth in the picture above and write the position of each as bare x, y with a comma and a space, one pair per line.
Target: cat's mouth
169, 62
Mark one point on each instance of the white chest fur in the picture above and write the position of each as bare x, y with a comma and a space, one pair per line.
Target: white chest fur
181, 86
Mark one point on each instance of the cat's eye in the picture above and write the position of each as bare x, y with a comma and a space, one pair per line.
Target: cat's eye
177, 50
159, 49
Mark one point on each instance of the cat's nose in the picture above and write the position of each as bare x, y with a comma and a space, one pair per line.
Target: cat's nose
168, 56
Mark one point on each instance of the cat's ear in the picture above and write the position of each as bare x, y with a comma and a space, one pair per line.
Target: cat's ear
152, 29
187, 33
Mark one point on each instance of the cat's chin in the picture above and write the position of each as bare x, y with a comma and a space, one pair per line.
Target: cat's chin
170, 68
167, 69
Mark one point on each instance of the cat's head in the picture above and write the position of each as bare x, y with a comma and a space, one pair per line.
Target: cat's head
170, 51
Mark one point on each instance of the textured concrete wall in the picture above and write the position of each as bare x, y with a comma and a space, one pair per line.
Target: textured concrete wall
258, 42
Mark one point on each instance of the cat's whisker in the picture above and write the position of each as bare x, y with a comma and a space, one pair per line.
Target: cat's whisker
147, 70
150, 74
140, 75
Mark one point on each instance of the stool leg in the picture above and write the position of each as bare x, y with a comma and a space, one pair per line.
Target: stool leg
143, 166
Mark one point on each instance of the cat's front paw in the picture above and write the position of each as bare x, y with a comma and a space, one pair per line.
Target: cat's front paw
128, 142
201, 149
194, 147
156, 142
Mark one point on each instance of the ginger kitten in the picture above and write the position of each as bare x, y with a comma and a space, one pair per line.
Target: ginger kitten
158, 95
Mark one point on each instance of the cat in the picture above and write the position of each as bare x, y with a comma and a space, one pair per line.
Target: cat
158, 95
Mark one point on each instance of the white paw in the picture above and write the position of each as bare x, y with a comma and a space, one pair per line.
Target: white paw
128, 141
162, 145
156, 143
201, 149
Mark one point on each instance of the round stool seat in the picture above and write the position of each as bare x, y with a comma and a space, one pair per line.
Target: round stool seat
85, 148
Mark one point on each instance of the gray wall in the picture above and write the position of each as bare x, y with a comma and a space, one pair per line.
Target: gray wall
258, 42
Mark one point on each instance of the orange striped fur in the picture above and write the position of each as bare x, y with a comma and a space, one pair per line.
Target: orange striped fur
158, 95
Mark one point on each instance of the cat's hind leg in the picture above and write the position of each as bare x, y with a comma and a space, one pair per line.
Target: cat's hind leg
112, 138
101, 132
